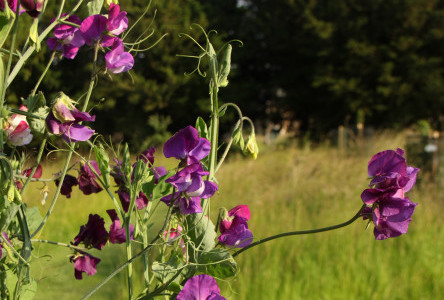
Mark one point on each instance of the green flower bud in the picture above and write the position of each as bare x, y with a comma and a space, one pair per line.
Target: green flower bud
251, 147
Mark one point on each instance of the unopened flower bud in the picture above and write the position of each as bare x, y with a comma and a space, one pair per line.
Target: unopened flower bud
251, 147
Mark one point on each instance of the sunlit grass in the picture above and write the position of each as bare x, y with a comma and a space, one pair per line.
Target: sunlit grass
286, 190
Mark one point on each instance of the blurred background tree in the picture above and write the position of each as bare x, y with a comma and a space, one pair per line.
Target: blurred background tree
321, 63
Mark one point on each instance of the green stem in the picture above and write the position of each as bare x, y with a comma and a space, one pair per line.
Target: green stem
44, 73
145, 259
129, 256
25, 113
355, 217
56, 196
59, 244
37, 161
8, 68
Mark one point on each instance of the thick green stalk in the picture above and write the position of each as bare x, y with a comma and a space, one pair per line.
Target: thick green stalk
146, 273
129, 256
310, 231
8, 68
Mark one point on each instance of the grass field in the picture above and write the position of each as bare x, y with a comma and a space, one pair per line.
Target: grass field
286, 190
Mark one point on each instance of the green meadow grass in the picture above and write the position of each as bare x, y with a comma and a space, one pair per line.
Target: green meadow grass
286, 190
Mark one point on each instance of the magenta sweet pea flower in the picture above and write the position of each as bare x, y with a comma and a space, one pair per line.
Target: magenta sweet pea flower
92, 28
17, 129
37, 174
67, 39
186, 145
117, 20
117, 60
87, 178
147, 156
234, 228
11, 3
68, 182
84, 263
32, 7
117, 233
93, 234
200, 287
64, 120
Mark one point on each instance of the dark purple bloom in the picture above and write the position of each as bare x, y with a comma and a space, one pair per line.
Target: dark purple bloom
93, 234
84, 263
391, 211
11, 3
141, 200
92, 28
200, 287
117, 60
117, 20
116, 230
234, 228
87, 182
64, 120
68, 39
148, 155
159, 172
32, 7
68, 182
186, 145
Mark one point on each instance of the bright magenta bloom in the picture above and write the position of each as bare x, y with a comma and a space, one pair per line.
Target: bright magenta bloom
234, 228
84, 263
200, 287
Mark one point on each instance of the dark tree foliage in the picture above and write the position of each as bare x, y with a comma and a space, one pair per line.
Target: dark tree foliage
324, 63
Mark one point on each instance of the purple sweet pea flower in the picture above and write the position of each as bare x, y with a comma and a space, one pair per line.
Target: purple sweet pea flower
234, 228
189, 180
93, 234
148, 155
68, 182
32, 7
84, 263
87, 182
92, 28
186, 145
116, 230
141, 200
117, 60
200, 287
117, 20
11, 3
392, 217
68, 39
391, 211
64, 120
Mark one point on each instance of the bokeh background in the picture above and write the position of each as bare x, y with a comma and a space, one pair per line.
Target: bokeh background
328, 84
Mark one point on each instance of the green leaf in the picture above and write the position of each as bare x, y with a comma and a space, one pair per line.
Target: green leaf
33, 103
8, 211
126, 163
34, 218
6, 23
201, 232
34, 34
225, 67
223, 111
202, 128
238, 138
94, 7
103, 163
165, 271
28, 291
38, 126
218, 263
